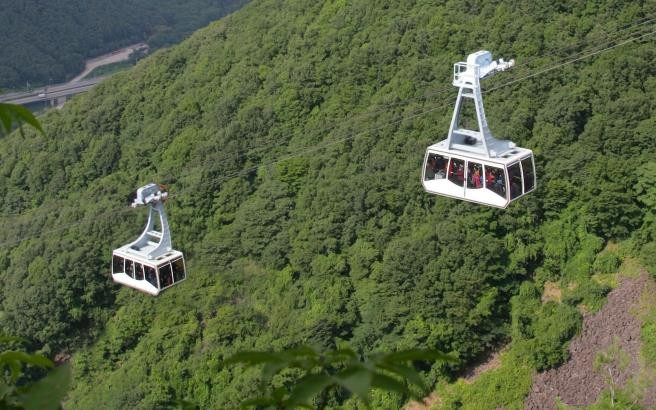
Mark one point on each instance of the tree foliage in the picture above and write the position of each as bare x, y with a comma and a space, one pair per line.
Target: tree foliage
291, 135
342, 369
47, 41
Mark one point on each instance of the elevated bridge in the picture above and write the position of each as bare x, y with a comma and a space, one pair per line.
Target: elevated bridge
54, 94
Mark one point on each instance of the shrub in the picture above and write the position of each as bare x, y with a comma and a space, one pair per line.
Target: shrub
554, 326
606, 262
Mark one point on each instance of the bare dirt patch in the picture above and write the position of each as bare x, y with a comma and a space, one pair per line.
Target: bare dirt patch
552, 292
428, 402
576, 382
489, 362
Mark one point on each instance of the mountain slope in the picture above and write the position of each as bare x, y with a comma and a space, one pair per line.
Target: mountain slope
47, 41
338, 243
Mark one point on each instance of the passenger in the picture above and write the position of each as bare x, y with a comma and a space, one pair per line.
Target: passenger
477, 178
500, 183
489, 178
441, 168
430, 168
167, 279
460, 173
515, 189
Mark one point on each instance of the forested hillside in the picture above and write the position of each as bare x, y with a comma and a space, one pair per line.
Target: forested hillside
291, 135
47, 41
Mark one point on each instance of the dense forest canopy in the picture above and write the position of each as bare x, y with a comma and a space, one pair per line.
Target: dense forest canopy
47, 41
291, 136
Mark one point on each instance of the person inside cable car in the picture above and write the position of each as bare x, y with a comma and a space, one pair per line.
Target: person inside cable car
151, 275
515, 177
495, 181
474, 180
435, 167
489, 178
431, 166
441, 167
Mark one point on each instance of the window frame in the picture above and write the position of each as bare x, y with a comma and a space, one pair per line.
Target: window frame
159, 275
521, 178
156, 284
114, 257
126, 268
136, 276
184, 270
467, 178
505, 189
521, 163
464, 172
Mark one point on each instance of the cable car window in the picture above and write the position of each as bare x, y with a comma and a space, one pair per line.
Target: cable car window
457, 171
529, 174
151, 275
138, 271
495, 180
474, 175
515, 180
178, 269
117, 264
165, 276
436, 167
129, 268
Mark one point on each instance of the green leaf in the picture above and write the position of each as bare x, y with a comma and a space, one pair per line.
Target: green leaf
357, 381
388, 383
308, 387
15, 360
22, 357
10, 112
272, 368
5, 119
408, 373
341, 355
48, 392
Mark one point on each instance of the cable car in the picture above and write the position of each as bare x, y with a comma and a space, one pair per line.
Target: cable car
149, 264
472, 165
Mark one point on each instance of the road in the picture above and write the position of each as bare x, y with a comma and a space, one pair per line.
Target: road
50, 93
76, 85
115, 56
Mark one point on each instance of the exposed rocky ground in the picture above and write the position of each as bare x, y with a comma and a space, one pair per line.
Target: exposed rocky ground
577, 383
486, 363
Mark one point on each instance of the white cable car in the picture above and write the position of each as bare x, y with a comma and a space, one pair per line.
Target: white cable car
149, 264
472, 165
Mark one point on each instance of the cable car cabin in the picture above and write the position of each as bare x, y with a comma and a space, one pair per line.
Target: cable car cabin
150, 264
471, 164
478, 179
150, 276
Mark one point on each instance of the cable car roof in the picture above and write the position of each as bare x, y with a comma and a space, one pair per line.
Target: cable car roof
508, 157
127, 253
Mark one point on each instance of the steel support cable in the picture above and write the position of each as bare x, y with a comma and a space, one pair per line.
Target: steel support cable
331, 142
385, 107
648, 18
285, 139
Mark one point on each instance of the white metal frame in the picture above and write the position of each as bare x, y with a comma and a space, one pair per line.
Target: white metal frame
502, 163
479, 145
153, 247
